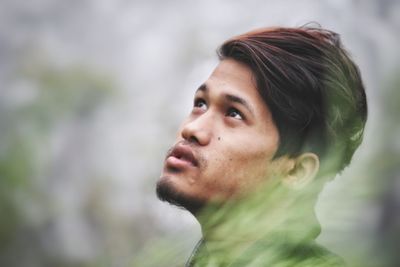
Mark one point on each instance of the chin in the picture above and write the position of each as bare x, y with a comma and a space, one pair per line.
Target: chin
168, 191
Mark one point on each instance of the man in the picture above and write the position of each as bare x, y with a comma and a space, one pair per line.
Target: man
281, 114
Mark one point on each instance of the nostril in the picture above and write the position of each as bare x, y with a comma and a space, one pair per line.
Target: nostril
193, 139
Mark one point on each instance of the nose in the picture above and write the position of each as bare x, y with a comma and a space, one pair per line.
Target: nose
198, 130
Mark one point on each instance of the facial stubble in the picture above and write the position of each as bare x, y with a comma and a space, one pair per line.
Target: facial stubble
167, 191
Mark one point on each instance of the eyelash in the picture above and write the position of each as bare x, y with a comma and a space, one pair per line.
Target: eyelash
197, 101
230, 110
200, 101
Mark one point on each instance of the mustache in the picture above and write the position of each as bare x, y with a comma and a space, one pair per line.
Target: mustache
197, 154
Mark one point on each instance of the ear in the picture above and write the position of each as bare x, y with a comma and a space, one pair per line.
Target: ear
302, 172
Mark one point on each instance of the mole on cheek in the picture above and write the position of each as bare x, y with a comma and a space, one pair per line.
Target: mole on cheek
219, 138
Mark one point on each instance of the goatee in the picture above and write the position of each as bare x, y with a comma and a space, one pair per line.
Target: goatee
167, 192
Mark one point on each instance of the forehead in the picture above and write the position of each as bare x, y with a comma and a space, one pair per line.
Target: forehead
232, 75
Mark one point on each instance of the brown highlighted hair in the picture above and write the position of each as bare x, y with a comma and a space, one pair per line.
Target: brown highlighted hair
312, 88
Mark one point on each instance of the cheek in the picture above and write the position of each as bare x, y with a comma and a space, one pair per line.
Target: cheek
254, 151
249, 163
252, 166
233, 171
235, 163
219, 179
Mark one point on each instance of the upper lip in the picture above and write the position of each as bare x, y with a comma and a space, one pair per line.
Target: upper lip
184, 152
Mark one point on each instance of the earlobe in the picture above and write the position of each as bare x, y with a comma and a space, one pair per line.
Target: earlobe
303, 171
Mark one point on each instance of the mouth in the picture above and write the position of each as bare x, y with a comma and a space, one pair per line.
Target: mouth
180, 157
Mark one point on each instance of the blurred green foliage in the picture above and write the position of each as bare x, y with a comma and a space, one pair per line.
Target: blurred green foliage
383, 173
60, 95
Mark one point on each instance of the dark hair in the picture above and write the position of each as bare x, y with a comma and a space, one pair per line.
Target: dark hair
312, 88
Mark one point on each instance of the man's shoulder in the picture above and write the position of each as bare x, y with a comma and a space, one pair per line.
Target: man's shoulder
307, 254
316, 255
269, 254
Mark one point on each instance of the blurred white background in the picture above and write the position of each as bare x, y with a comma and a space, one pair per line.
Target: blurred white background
92, 92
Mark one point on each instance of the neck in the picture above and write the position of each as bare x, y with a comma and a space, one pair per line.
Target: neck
267, 216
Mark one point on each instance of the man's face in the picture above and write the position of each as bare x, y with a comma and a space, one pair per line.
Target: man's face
226, 144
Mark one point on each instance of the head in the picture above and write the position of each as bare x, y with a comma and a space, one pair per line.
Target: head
284, 105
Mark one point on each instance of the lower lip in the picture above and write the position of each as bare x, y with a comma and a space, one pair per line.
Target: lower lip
177, 163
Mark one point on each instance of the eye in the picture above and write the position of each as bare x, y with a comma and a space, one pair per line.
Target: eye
234, 113
200, 103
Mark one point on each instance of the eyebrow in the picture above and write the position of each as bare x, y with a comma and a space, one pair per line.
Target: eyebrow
230, 98
202, 88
